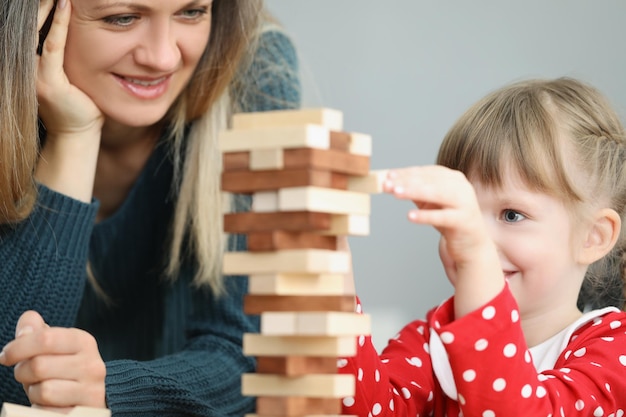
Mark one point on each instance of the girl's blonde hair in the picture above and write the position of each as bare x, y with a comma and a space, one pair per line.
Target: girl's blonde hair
206, 104
18, 108
563, 138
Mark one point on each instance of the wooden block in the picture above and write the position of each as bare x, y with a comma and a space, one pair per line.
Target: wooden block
297, 221
298, 136
234, 161
14, 410
330, 118
315, 386
323, 200
329, 159
320, 346
265, 202
348, 225
372, 183
315, 323
280, 239
262, 159
297, 406
247, 182
296, 365
297, 284
314, 261
257, 304
360, 144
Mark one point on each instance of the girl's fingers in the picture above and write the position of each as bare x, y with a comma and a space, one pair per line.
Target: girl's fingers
57, 393
29, 322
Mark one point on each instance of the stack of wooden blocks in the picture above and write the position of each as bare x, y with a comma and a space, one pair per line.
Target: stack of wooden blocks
310, 183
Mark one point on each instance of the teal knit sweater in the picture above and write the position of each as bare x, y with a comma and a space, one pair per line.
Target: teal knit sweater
169, 348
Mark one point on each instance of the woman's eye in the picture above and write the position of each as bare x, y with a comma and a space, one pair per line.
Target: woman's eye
512, 216
120, 20
194, 13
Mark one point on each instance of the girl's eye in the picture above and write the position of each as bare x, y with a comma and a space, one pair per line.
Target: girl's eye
512, 216
120, 20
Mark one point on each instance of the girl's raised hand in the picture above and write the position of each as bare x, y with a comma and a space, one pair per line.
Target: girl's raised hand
58, 367
63, 108
446, 200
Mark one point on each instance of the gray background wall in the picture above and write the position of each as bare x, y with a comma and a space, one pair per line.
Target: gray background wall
404, 70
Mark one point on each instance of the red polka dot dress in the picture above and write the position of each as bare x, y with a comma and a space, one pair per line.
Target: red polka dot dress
480, 366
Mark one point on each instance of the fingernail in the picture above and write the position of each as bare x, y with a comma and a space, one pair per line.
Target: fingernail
2, 356
62, 4
23, 331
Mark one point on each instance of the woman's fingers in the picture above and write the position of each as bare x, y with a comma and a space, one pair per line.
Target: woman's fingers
53, 51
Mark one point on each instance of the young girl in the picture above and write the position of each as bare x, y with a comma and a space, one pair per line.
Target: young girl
132, 95
528, 195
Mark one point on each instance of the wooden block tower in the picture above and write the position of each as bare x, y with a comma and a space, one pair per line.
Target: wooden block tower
310, 183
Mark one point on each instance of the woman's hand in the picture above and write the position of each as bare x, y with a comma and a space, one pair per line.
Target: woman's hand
446, 200
72, 120
63, 108
58, 367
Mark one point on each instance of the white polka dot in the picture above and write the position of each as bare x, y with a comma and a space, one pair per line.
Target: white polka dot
540, 392
415, 361
499, 384
615, 325
437, 325
406, 393
377, 375
527, 391
430, 396
595, 364
461, 399
608, 387
348, 401
580, 352
341, 363
359, 374
580, 404
376, 409
481, 344
384, 361
527, 356
447, 337
567, 378
608, 339
469, 375
620, 413
565, 370
622, 359
395, 391
489, 413
391, 404
420, 329
361, 340
598, 412
597, 321
426, 348
567, 354
489, 312
510, 350
514, 316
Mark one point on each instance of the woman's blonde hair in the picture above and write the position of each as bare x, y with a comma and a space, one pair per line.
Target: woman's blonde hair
563, 138
18, 108
197, 159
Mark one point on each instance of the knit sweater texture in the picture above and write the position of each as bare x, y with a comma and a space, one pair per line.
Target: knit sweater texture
170, 348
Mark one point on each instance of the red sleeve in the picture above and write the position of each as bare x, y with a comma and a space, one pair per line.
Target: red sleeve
492, 368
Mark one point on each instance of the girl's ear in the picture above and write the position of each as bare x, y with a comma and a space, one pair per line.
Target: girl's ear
601, 236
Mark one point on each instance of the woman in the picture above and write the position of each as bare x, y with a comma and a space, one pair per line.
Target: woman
129, 175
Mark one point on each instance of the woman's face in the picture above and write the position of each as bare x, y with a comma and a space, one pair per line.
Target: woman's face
134, 57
